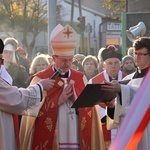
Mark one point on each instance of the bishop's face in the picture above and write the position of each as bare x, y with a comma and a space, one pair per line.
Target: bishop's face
63, 62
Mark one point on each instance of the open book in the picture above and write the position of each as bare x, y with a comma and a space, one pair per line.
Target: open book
92, 95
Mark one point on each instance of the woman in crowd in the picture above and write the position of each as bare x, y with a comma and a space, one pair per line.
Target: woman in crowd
90, 66
11, 64
75, 64
39, 63
79, 58
128, 64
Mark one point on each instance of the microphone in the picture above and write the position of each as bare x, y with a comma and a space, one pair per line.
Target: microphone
56, 74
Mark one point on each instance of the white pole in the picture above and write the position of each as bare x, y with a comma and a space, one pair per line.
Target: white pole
52, 20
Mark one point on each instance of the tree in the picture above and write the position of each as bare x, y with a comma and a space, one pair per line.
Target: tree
26, 16
115, 7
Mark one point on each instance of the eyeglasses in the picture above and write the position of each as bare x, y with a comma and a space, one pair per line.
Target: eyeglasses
64, 60
140, 54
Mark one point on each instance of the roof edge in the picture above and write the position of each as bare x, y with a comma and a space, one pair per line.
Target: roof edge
88, 9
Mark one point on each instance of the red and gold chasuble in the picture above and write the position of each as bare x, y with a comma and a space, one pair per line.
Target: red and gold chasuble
45, 124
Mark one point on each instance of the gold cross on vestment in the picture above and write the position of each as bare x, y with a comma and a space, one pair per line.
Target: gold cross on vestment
68, 32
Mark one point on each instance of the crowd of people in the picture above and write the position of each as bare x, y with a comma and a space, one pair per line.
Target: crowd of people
46, 119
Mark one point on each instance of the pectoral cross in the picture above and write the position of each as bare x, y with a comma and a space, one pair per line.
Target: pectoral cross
70, 113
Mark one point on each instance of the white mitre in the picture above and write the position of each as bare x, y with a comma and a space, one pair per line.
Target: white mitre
63, 40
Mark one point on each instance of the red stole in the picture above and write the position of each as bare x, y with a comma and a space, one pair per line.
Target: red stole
45, 123
107, 133
85, 124
16, 128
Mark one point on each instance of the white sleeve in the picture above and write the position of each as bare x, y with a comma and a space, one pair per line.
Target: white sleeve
19, 101
122, 104
127, 94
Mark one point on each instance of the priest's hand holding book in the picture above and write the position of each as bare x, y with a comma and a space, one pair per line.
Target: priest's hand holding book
114, 87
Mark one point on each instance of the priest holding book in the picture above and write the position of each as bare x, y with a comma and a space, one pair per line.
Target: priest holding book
112, 65
126, 93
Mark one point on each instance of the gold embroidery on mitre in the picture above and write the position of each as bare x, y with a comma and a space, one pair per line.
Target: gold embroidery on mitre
48, 122
90, 113
83, 122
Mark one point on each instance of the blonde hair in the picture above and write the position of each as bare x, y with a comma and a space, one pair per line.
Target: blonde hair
90, 57
32, 69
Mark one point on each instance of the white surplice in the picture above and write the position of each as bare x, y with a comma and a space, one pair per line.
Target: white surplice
68, 125
127, 94
15, 101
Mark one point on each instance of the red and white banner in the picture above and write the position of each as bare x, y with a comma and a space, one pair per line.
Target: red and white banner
136, 120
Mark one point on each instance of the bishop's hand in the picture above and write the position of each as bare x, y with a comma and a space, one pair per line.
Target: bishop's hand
66, 94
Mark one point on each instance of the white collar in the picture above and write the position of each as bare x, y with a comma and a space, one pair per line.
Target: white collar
107, 77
